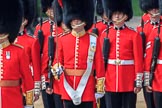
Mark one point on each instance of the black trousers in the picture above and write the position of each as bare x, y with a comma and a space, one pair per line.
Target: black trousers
69, 104
58, 101
158, 99
48, 100
102, 102
120, 99
148, 99
52, 101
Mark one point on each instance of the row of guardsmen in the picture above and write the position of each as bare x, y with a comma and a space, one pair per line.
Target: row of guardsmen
77, 61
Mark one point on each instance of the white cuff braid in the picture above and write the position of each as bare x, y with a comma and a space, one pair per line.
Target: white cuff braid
37, 88
146, 78
43, 79
139, 77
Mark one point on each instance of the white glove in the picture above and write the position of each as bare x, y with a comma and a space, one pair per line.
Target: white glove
99, 95
57, 70
28, 106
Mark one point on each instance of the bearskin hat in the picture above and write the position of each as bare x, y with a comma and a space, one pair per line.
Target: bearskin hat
147, 5
11, 13
111, 6
46, 4
78, 9
99, 7
58, 14
29, 10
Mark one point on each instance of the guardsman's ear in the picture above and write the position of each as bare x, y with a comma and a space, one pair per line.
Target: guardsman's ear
25, 22
125, 17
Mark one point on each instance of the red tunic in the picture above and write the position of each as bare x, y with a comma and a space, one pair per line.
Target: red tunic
44, 58
72, 57
157, 81
126, 44
100, 26
145, 17
14, 66
148, 27
32, 49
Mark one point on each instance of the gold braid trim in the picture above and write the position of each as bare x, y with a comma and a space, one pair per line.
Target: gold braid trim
100, 86
29, 98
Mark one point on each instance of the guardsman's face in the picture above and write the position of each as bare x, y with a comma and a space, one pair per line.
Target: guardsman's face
117, 16
76, 22
153, 12
50, 13
154, 15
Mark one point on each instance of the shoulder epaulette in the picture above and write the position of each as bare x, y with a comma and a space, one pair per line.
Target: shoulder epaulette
147, 21
18, 45
45, 21
144, 14
131, 28
65, 33
110, 27
106, 29
99, 20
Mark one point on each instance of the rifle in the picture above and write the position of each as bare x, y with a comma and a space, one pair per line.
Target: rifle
40, 33
142, 34
155, 55
106, 47
56, 10
95, 29
50, 56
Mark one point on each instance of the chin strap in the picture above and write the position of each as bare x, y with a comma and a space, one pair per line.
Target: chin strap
121, 20
3, 36
154, 15
78, 25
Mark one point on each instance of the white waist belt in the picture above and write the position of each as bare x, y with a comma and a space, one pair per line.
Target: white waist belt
159, 61
120, 62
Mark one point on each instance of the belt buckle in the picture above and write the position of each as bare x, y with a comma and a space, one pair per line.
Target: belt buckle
76, 100
117, 61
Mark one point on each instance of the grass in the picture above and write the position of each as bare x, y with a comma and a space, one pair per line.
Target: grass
136, 9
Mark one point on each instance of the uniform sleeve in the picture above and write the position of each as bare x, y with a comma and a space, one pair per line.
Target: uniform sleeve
27, 79
99, 63
25, 72
138, 53
100, 70
44, 63
59, 58
139, 29
138, 59
35, 54
148, 57
36, 30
